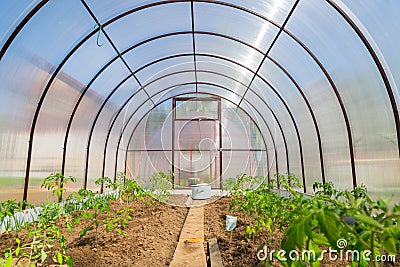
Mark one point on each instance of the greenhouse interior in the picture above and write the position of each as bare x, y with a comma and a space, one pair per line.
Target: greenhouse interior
199, 133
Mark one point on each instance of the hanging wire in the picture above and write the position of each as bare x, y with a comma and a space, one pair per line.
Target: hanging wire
98, 35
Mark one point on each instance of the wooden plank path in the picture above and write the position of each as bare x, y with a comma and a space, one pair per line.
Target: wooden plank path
190, 249
214, 254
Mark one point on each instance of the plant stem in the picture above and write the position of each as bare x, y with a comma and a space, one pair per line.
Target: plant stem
372, 249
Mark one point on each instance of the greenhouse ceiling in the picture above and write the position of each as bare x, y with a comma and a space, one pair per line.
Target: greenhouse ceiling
316, 79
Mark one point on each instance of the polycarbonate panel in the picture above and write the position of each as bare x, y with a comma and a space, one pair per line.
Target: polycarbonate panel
271, 131
143, 165
94, 57
222, 80
277, 104
378, 22
175, 91
149, 52
170, 18
274, 127
196, 108
224, 67
219, 91
236, 23
109, 79
275, 10
197, 135
103, 123
12, 15
24, 71
85, 114
356, 77
248, 162
239, 131
105, 10
170, 81
297, 104
164, 67
226, 48
131, 107
193, 167
154, 131
124, 136
78, 156
53, 120
325, 105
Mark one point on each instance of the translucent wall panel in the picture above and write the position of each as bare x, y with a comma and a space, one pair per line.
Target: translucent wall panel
85, 115
248, 162
154, 131
379, 23
356, 77
170, 18
286, 124
302, 115
120, 121
25, 69
196, 108
271, 132
12, 15
142, 165
197, 135
164, 67
234, 22
239, 131
219, 91
197, 167
325, 105
149, 52
275, 10
170, 81
220, 79
105, 9
224, 67
226, 48
103, 124
179, 90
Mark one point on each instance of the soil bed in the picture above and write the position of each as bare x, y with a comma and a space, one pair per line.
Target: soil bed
235, 248
151, 238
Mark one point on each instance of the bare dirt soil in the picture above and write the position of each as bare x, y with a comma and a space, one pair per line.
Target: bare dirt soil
151, 238
238, 250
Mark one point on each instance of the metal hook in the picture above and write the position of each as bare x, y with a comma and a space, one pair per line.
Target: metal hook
98, 35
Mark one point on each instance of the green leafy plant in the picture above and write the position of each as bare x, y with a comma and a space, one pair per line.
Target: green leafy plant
333, 215
9, 218
55, 182
160, 185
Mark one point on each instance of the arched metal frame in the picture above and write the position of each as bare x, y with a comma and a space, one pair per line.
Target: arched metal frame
162, 91
199, 93
331, 2
256, 75
263, 100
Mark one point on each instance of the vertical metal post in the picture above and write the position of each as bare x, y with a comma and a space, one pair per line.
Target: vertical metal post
220, 143
173, 140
